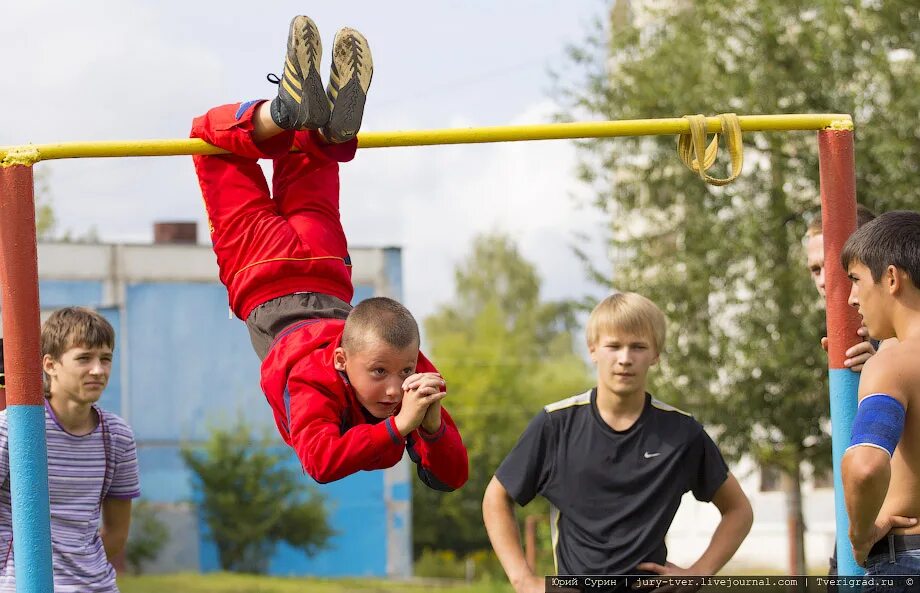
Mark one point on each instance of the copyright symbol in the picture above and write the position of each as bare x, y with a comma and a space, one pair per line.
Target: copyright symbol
910, 582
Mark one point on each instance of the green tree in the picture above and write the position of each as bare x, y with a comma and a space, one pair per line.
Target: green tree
251, 499
45, 221
505, 354
147, 537
726, 264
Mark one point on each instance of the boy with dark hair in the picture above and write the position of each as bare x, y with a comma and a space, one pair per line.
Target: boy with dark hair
882, 260
349, 389
92, 459
614, 463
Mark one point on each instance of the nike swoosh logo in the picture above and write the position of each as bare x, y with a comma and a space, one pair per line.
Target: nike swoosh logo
650, 455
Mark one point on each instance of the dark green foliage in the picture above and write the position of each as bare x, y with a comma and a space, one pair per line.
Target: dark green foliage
251, 499
727, 265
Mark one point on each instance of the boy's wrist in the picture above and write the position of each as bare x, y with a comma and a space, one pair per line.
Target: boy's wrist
392, 431
701, 570
402, 426
521, 576
859, 535
431, 426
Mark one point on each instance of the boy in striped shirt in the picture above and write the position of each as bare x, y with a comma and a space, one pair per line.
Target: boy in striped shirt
92, 460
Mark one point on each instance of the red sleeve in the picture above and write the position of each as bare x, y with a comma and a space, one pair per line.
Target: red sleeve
327, 449
440, 456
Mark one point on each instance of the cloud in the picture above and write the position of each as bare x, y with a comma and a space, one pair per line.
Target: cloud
128, 79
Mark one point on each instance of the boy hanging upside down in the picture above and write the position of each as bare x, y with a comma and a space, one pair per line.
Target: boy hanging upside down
349, 388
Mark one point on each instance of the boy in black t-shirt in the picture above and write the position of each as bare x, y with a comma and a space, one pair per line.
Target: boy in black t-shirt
614, 463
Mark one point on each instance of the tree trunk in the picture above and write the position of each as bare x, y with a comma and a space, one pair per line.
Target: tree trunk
792, 485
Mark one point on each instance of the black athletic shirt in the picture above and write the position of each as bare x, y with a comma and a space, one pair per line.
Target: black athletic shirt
613, 493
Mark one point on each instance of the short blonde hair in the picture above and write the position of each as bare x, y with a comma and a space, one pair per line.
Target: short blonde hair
627, 312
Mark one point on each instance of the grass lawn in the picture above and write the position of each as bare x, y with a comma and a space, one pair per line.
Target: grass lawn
236, 583
223, 582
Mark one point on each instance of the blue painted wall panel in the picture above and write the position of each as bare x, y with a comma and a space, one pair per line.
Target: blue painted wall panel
191, 367
358, 512
362, 291
164, 476
401, 491
54, 294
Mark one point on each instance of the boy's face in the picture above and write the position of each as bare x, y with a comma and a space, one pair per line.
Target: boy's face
814, 249
869, 298
376, 372
80, 375
623, 361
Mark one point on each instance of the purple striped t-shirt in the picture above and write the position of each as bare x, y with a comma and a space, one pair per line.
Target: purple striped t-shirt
78, 469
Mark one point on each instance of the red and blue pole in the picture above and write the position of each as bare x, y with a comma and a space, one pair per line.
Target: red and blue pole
24, 393
838, 215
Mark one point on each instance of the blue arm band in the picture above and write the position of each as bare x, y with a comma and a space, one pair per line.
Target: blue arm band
879, 423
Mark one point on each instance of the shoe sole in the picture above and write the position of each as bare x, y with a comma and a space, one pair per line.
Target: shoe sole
349, 80
306, 48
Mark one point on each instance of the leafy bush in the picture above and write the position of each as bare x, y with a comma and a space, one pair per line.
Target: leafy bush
480, 565
251, 500
147, 537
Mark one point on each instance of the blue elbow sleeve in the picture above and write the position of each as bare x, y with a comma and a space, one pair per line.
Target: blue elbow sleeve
879, 423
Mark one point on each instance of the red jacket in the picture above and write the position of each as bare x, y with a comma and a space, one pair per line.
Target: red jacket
318, 414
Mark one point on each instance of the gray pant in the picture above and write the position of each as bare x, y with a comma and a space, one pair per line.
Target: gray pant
271, 317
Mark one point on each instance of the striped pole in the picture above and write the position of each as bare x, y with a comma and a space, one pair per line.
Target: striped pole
24, 394
838, 215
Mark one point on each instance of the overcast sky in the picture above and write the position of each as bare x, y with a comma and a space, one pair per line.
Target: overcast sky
130, 69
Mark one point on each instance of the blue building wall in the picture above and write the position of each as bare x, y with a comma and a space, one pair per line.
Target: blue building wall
64, 293
187, 368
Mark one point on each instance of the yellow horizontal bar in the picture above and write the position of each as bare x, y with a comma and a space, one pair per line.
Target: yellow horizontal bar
29, 153
597, 129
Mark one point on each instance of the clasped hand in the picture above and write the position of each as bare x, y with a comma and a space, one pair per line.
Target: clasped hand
421, 407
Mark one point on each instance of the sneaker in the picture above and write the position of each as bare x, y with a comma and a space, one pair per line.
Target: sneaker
300, 102
349, 80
